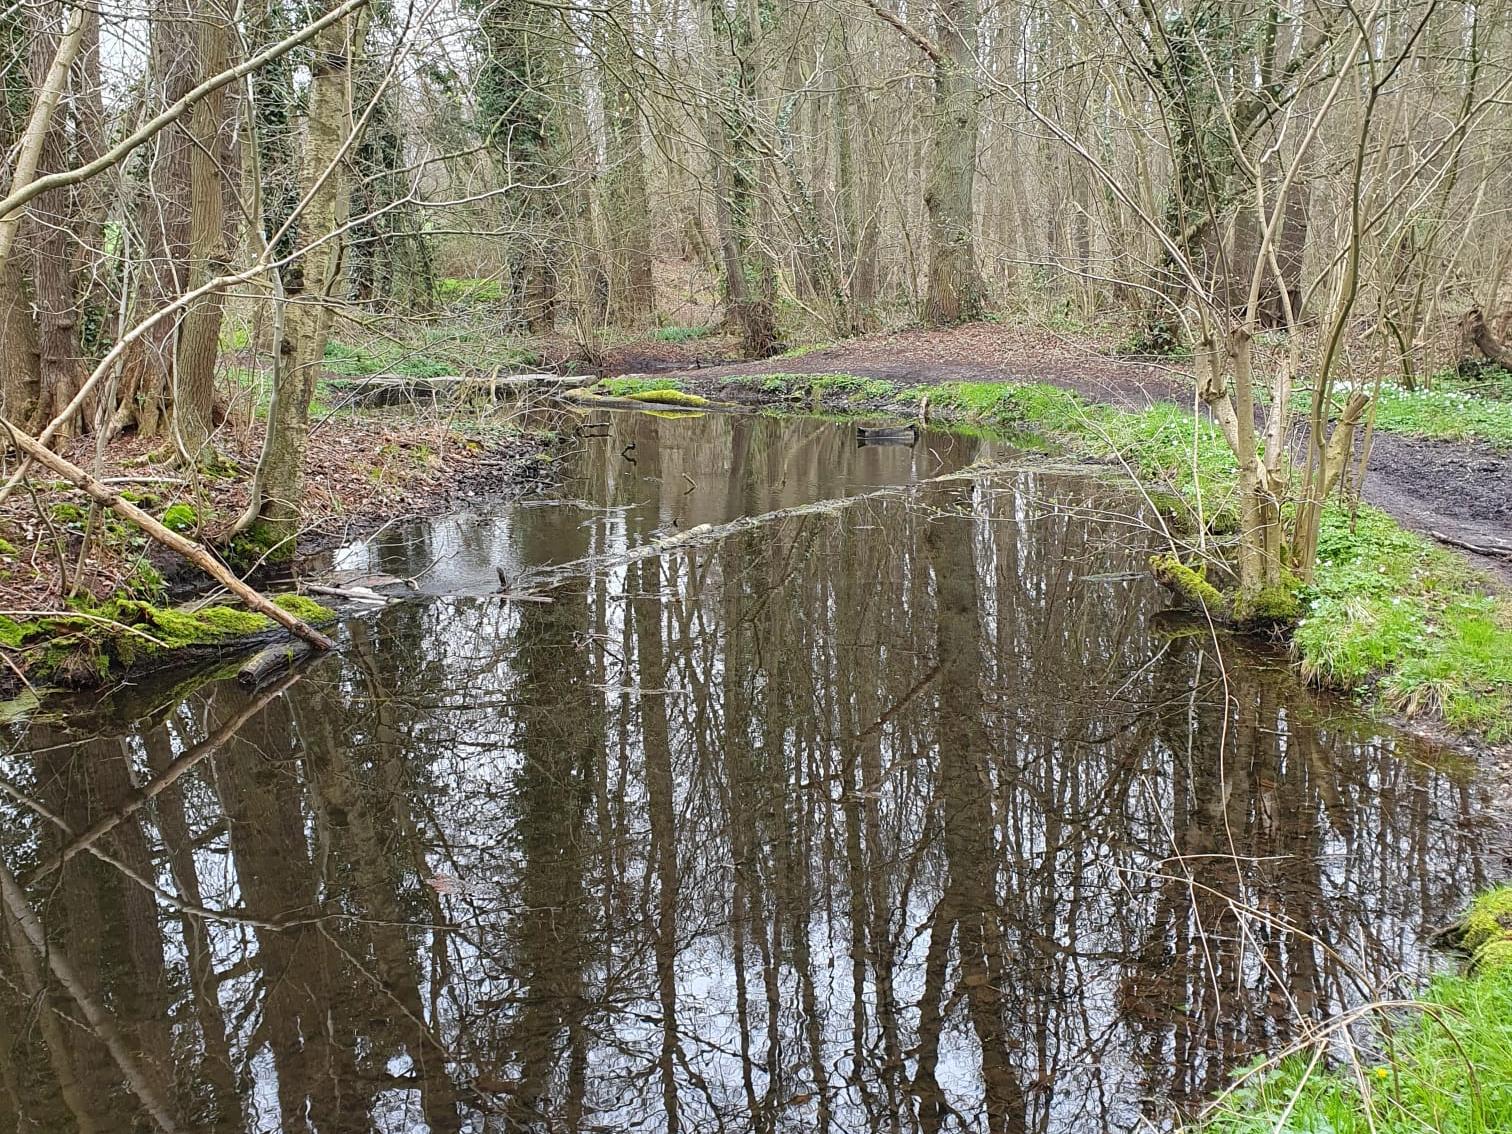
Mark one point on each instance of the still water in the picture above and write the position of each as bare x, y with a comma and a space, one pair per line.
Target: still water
910, 815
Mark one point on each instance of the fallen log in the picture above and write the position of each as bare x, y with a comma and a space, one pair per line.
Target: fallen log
385, 388
887, 434
170, 539
1478, 335
1503, 551
271, 660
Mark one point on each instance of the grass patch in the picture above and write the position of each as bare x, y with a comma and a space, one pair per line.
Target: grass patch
360, 362
1454, 409
453, 289
1392, 609
1487, 382
1446, 1069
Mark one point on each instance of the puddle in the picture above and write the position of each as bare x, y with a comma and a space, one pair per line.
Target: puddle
913, 815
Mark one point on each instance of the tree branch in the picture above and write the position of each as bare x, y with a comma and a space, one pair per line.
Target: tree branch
909, 32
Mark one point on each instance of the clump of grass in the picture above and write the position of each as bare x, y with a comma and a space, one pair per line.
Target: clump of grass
453, 289
1446, 411
1447, 1069
360, 362
1488, 381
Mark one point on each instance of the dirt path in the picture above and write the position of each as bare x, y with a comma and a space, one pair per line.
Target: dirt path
1445, 489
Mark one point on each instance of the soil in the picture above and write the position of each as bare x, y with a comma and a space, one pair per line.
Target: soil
1457, 491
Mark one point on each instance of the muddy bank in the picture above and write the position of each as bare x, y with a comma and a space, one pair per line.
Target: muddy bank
362, 471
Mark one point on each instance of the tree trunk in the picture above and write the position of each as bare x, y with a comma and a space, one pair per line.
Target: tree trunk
627, 208
49, 237
199, 332
956, 293
750, 278
1477, 337
310, 284
20, 377
163, 219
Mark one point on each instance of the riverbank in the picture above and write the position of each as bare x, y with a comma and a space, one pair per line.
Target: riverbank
84, 596
1443, 1063
1393, 618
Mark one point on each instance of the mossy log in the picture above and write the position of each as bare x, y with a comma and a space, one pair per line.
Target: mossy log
86, 647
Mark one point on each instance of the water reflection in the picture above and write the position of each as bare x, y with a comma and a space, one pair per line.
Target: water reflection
902, 818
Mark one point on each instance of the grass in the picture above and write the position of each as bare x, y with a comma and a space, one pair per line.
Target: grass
1388, 613
1393, 610
1445, 1069
1487, 382
1445, 413
360, 362
452, 289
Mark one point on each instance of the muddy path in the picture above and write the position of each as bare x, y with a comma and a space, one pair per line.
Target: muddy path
1457, 491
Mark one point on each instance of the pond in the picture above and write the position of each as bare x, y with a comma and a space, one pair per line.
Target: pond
914, 813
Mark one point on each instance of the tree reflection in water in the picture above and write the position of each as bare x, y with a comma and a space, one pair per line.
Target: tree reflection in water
902, 818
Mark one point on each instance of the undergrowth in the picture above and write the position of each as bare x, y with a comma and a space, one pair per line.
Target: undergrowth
1392, 608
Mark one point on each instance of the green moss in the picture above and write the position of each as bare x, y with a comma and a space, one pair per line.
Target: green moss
305, 609
669, 398
1277, 605
67, 512
1188, 582
6, 548
13, 633
627, 387
1488, 929
85, 648
181, 518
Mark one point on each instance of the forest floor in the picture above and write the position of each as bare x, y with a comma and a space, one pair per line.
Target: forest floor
1456, 487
